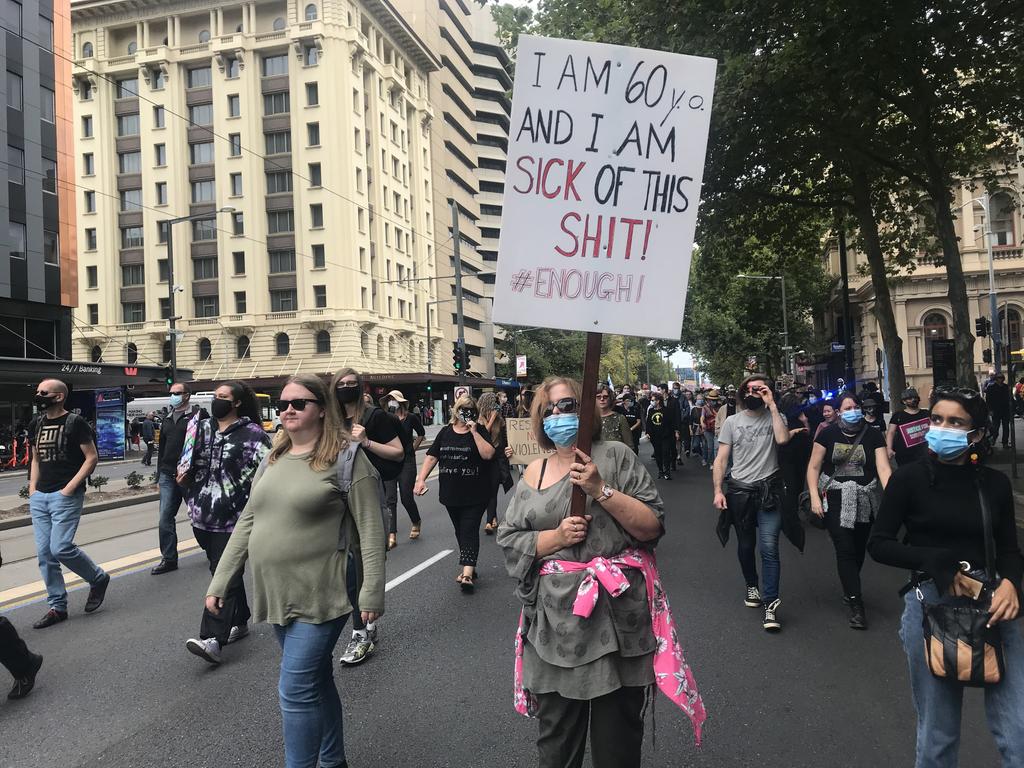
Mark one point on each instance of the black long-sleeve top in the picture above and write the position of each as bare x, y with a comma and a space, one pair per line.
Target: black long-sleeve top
938, 506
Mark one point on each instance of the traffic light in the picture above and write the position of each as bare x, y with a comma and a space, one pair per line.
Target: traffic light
168, 375
981, 326
430, 385
456, 356
986, 355
465, 357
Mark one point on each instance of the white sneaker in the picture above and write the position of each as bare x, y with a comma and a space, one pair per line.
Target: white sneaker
771, 620
357, 651
207, 650
237, 633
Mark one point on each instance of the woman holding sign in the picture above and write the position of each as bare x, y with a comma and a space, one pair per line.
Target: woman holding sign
589, 667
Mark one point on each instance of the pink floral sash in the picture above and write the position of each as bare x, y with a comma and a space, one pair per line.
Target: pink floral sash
671, 672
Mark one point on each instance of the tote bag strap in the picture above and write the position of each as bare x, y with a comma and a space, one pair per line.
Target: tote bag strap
990, 541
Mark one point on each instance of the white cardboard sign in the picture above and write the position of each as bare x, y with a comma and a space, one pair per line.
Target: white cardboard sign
605, 161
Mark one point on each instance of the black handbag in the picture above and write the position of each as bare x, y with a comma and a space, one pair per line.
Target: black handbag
958, 644
804, 502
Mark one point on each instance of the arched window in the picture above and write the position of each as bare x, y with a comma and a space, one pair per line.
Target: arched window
166, 352
132, 48
1003, 230
391, 348
934, 327
380, 347
204, 36
242, 347
87, 50
364, 344
278, 24
323, 342
1011, 330
311, 12
205, 349
282, 344
131, 353
96, 354
419, 358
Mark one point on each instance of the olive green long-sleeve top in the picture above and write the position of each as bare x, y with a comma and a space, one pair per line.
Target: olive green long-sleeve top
289, 531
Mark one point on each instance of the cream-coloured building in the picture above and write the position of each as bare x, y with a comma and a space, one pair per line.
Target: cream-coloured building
920, 298
311, 120
470, 96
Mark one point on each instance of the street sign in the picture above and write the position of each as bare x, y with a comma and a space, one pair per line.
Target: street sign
837, 347
605, 161
943, 361
460, 391
520, 366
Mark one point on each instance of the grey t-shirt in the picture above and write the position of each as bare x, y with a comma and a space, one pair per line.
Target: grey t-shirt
754, 454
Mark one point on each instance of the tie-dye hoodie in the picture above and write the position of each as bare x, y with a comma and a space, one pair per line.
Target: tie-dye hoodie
223, 467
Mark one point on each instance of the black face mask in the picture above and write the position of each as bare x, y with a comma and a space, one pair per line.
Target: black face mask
347, 395
42, 403
753, 403
912, 403
467, 414
219, 408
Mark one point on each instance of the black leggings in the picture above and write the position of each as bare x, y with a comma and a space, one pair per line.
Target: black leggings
402, 486
664, 453
466, 521
615, 722
235, 612
851, 544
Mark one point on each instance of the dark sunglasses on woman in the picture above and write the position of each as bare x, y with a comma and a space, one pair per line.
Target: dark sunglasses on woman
299, 404
565, 405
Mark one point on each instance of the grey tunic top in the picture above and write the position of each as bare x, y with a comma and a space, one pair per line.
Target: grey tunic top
575, 657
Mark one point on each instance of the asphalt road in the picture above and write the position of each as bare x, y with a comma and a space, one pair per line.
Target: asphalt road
118, 689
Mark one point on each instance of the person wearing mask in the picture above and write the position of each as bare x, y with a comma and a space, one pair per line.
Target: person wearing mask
661, 434
501, 472
506, 408
930, 522
829, 416
289, 533
147, 431
598, 685
729, 406
411, 433
228, 449
997, 396
614, 425
63, 456
905, 439
812, 416
173, 430
872, 411
849, 468
696, 437
672, 413
462, 450
17, 659
377, 433
631, 411
751, 499
709, 425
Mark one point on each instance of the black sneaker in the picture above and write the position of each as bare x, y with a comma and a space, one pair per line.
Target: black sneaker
50, 618
858, 620
753, 598
96, 594
24, 685
771, 623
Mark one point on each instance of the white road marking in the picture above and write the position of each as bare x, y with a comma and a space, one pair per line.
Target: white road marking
417, 569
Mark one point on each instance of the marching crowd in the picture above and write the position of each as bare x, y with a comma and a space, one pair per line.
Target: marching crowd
314, 512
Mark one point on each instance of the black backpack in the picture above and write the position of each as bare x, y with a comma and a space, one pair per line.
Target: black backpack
386, 468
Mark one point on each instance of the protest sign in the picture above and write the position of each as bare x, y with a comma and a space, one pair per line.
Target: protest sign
522, 442
605, 160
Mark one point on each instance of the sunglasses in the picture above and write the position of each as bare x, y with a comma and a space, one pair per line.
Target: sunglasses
298, 404
964, 392
565, 405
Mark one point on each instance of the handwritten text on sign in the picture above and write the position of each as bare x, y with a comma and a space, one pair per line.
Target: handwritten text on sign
524, 445
606, 155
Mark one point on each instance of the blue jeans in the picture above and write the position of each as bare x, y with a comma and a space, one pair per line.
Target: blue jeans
938, 702
766, 537
170, 502
310, 704
710, 446
54, 522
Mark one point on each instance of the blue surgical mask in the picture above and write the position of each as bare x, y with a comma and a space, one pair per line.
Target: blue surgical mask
700, 401
562, 428
855, 416
175, 401
946, 443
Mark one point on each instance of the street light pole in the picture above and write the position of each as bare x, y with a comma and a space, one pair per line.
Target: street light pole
997, 333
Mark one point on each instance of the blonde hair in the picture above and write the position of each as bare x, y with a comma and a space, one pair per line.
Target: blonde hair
465, 401
333, 438
541, 400
360, 402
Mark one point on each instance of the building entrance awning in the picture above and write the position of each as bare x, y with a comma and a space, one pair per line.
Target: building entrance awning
77, 375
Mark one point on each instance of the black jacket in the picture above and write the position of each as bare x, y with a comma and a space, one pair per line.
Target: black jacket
743, 501
172, 440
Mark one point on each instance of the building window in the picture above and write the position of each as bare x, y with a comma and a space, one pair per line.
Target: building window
128, 88
85, 91
204, 36
316, 215
86, 50
47, 107
15, 97
237, 223
275, 65
163, 229
158, 117
240, 304
132, 237
242, 347
234, 69
128, 125
312, 94
323, 342
204, 191
200, 77
161, 270
201, 114
310, 55
94, 314
279, 143
49, 175
204, 268
283, 300
279, 24
88, 163
131, 200
165, 350
279, 181
205, 349
236, 184
133, 312
86, 126
234, 105
90, 201
276, 103
235, 140
91, 276
1002, 208
207, 306
90, 239
281, 261
46, 32
204, 230
238, 257
96, 354
129, 162
310, 12
280, 221
160, 155
157, 79
161, 194
132, 274
165, 308
320, 296
201, 153
1010, 321
16, 234
51, 248
319, 257
282, 344
313, 134
934, 327
16, 165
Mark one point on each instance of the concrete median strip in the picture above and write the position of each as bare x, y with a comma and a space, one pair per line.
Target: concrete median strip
21, 521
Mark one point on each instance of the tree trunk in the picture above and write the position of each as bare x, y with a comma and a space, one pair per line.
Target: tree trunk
880, 282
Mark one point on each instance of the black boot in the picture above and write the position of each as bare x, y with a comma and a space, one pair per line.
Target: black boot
856, 608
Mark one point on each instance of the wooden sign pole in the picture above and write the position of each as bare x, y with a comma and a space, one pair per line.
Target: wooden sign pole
591, 365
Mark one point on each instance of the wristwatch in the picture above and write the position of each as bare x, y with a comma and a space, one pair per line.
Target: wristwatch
606, 493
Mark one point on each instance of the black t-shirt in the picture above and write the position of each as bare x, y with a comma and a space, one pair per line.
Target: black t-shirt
409, 426
56, 466
380, 427
465, 477
909, 443
839, 464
